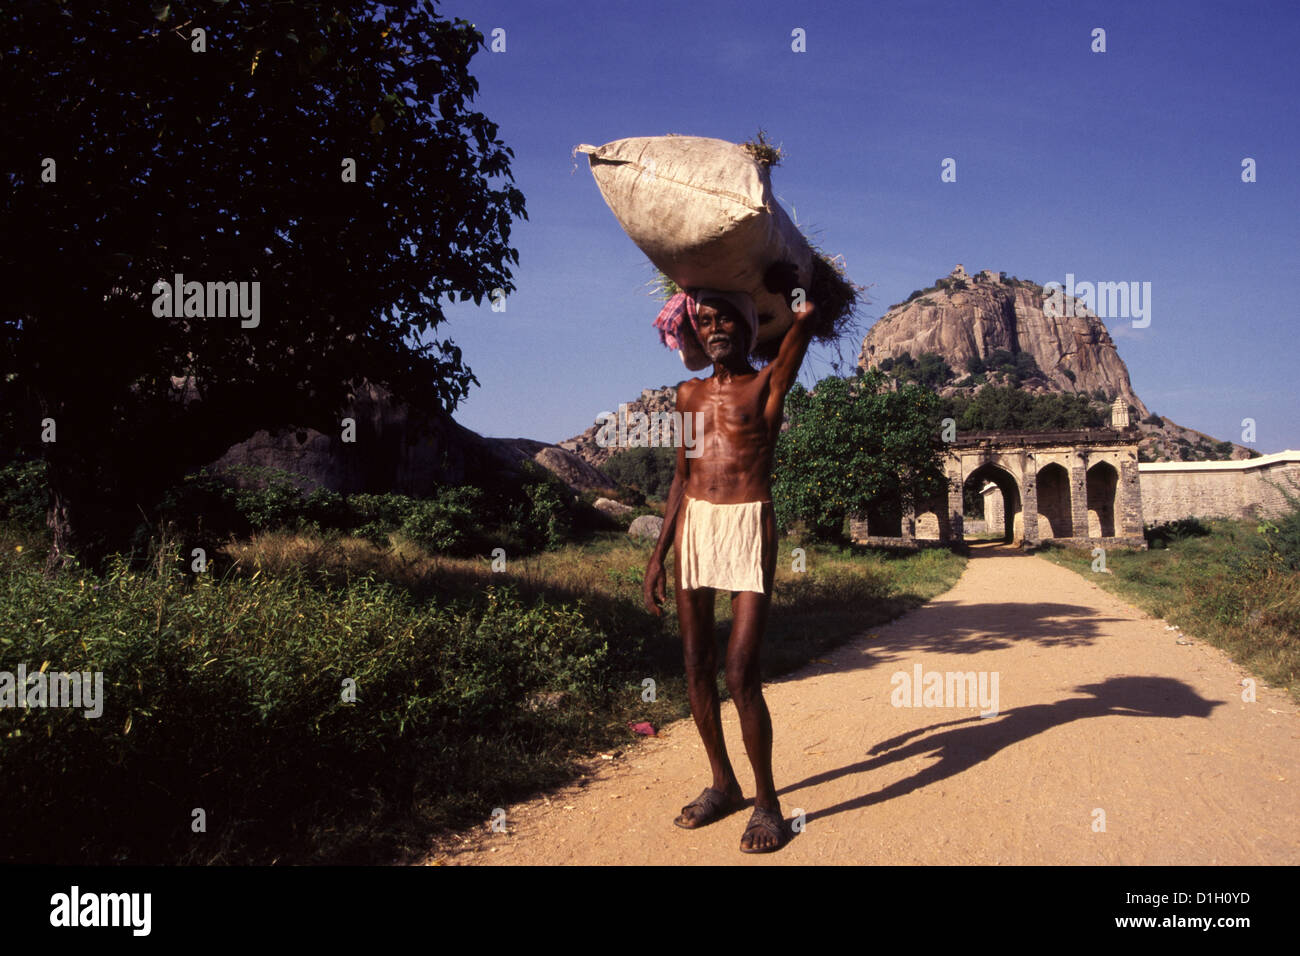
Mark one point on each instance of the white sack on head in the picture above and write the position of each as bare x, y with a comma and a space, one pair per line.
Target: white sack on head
702, 210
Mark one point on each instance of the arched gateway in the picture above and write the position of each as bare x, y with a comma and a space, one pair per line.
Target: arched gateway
1079, 486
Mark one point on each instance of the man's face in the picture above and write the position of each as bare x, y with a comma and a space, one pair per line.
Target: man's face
722, 331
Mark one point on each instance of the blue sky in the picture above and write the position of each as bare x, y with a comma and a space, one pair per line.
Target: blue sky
1115, 166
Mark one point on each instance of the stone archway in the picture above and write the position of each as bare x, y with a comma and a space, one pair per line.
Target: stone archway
1008, 504
1028, 487
1103, 482
928, 526
885, 517
1055, 518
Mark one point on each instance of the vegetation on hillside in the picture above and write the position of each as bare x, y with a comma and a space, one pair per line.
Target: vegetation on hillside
646, 470
929, 370
1008, 408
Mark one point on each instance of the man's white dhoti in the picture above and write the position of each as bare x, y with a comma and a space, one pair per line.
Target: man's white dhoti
722, 546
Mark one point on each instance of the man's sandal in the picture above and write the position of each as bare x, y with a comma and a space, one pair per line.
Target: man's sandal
769, 821
715, 805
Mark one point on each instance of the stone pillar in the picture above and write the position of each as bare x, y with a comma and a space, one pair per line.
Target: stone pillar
857, 527
940, 508
1029, 506
1129, 506
956, 510
1079, 495
909, 522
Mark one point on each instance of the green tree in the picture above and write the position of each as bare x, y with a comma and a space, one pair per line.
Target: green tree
230, 164
851, 442
649, 470
1008, 408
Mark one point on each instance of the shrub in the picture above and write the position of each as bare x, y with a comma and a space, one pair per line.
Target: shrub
1281, 536
375, 517
447, 524
550, 514
1161, 535
649, 470
278, 505
231, 690
24, 494
929, 369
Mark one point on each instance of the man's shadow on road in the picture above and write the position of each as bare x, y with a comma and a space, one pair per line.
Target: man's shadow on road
971, 740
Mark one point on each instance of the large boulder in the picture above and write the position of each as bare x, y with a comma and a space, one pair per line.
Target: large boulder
647, 526
394, 450
398, 450
615, 509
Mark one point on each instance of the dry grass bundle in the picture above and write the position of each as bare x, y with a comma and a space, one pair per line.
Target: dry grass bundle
831, 290
836, 298
763, 151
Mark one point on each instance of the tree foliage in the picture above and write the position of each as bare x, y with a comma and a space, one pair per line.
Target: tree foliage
649, 470
852, 442
930, 369
1015, 367
1011, 409
227, 165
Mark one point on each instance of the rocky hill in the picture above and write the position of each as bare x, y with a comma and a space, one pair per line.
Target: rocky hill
395, 451
974, 321
971, 317
653, 401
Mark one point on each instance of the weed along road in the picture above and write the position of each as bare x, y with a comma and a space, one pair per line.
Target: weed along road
1024, 717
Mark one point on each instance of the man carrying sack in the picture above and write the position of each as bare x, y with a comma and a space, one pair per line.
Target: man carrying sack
720, 520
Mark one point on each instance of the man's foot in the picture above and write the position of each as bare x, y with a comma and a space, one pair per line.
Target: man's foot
767, 831
709, 806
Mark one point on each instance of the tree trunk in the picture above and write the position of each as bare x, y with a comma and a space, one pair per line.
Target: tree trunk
76, 519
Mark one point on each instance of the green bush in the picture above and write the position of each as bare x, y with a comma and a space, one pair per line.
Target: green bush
387, 509
648, 470
550, 513
278, 505
229, 695
1280, 537
449, 523
929, 370
24, 494
1010, 408
1161, 535
375, 517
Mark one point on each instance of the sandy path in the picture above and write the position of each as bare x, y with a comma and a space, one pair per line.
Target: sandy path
1100, 708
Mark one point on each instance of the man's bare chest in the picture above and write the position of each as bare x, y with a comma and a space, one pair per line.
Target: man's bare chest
735, 407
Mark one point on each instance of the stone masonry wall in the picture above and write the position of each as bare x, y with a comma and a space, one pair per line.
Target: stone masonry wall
1210, 490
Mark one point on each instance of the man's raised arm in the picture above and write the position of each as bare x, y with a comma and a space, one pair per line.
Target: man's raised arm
782, 277
790, 356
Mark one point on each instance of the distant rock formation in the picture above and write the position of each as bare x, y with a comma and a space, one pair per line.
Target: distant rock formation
396, 452
653, 401
971, 317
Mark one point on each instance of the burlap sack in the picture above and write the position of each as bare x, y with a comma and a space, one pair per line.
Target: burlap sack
702, 210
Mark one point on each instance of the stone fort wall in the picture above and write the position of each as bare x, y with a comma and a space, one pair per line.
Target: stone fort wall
1218, 489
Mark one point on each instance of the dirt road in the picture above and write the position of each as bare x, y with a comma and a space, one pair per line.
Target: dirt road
1115, 741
